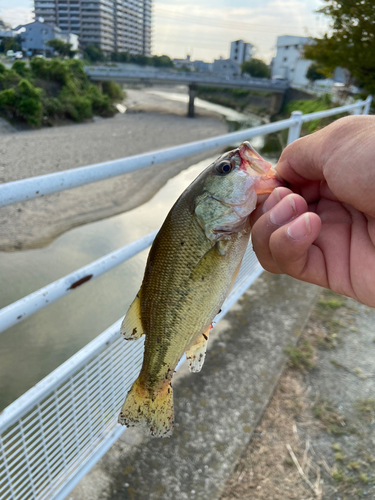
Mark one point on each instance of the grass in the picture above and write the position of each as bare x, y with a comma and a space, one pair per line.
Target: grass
366, 407
302, 355
332, 421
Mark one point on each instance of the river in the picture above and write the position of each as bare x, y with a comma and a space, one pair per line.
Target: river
33, 348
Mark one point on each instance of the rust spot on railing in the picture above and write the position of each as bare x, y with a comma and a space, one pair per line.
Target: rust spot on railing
80, 282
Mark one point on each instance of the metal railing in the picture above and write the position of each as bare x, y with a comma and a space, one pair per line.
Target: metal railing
156, 75
52, 435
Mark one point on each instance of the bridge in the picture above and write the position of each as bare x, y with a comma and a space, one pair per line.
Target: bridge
151, 76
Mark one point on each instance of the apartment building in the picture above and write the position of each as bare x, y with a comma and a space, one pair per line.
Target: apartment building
289, 62
241, 51
113, 25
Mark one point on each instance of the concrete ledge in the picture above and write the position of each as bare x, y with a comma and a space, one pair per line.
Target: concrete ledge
216, 410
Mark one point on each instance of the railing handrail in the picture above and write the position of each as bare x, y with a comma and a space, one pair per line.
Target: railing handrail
35, 187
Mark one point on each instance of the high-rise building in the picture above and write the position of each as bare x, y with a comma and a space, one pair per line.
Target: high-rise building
113, 25
241, 51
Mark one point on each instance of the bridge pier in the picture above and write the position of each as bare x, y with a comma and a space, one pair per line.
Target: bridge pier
192, 94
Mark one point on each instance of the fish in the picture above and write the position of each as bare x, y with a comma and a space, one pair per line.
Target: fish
191, 267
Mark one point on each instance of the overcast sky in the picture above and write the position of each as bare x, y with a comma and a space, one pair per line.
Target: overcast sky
205, 28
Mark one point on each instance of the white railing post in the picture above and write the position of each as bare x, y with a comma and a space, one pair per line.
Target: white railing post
358, 108
366, 107
295, 129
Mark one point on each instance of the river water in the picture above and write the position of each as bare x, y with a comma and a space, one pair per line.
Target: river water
33, 348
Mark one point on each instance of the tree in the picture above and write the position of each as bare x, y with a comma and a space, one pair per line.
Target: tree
162, 61
351, 41
256, 67
94, 53
10, 43
61, 47
315, 72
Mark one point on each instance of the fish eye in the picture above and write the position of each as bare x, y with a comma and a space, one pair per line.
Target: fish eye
225, 167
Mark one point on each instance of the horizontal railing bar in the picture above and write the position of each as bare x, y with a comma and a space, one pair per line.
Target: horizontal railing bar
35, 187
330, 112
34, 302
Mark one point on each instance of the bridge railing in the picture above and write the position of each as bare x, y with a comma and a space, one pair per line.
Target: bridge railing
53, 435
150, 73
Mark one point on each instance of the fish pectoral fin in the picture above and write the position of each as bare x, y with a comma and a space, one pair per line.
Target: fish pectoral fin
131, 327
204, 268
197, 352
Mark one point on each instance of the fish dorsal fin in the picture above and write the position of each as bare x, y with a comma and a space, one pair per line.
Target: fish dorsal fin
131, 327
196, 354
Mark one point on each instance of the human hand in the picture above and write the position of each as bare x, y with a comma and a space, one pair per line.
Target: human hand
322, 229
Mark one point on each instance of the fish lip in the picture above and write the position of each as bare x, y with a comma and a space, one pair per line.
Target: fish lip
252, 160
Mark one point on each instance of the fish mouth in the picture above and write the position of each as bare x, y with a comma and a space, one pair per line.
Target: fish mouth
251, 159
253, 164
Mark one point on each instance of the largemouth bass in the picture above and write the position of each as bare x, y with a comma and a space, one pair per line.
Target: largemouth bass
190, 270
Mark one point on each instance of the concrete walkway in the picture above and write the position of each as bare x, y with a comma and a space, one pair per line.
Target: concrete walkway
216, 410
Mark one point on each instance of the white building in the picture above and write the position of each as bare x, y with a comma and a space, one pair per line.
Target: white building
184, 63
226, 67
241, 51
289, 62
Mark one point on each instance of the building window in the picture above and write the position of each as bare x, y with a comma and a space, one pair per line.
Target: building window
287, 46
285, 58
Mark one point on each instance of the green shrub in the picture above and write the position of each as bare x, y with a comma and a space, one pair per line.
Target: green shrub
50, 69
53, 107
76, 107
101, 104
9, 79
21, 69
113, 90
61, 90
24, 102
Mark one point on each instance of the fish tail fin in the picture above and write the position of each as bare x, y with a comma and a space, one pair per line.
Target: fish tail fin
154, 411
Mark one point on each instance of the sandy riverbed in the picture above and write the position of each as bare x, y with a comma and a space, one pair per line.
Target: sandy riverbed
151, 123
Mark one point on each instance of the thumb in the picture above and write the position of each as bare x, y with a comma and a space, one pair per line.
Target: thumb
295, 254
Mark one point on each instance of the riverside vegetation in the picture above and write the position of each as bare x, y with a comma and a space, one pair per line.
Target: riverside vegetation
53, 89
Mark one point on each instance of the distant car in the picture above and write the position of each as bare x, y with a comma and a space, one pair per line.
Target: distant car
18, 54
10, 53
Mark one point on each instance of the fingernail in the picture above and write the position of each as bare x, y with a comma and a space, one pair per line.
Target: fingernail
300, 228
271, 201
283, 211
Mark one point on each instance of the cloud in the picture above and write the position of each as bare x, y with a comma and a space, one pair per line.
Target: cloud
205, 31
17, 15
